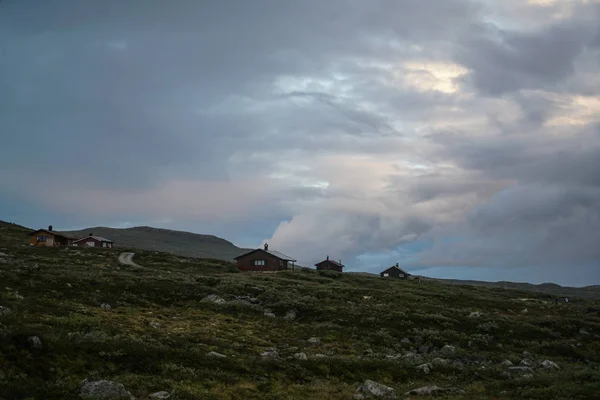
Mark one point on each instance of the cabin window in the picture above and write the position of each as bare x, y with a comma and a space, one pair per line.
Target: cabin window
259, 262
103, 244
41, 238
386, 274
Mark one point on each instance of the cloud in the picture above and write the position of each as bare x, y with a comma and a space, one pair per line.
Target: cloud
434, 133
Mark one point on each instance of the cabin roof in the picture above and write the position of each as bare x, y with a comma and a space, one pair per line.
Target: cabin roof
98, 238
274, 253
395, 267
55, 233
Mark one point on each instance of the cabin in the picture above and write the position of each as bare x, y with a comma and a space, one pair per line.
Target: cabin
94, 241
329, 265
264, 260
49, 238
395, 272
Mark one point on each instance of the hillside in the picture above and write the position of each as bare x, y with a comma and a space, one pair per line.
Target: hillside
198, 329
176, 242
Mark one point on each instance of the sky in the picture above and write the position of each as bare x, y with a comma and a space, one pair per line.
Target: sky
460, 139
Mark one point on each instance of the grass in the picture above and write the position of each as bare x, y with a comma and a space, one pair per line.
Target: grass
360, 320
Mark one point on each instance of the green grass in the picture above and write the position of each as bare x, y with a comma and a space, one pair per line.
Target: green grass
59, 301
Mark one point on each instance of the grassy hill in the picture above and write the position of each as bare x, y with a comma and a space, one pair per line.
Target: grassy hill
75, 314
166, 240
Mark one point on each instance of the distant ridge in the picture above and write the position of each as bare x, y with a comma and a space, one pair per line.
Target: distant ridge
166, 240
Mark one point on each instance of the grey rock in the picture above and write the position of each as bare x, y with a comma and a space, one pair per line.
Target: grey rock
160, 395
290, 315
447, 349
507, 363
405, 341
424, 349
319, 356
476, 314
154, 324
270, 354
300, 356
103, 390
524, 311
434, 390
547, 364
4, 311
216, 355
440, 361
213, 298
526, 362
269, 314
313, 340
372, 389
105, 306
424, 368
35, 342
582, 331
3, 255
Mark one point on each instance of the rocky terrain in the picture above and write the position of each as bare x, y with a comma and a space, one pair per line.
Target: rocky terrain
78, 324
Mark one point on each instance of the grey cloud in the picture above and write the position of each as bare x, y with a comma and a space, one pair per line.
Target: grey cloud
504, 61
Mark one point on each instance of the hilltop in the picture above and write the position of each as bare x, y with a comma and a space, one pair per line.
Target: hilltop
200, 329
185, 244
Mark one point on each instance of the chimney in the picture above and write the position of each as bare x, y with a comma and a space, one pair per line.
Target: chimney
327, 258
50, 228
266, 246
91, 234
397, 265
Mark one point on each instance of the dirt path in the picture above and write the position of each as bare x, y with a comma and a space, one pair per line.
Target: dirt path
127, 259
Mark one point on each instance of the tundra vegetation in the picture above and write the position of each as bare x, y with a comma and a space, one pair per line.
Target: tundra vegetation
75, 324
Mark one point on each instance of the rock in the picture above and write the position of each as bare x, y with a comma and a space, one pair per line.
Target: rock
213, 298
525, 362
424, 349
269, 314
270, 354
69, 285
440, 361
507, 363
154, 324
476, 314
35, 342
313, 340
160, 395
582, 331
424, 368
290, 315
434, 390
405, 341
103, 390
547, 364
216, 355
520, 370
447, 349
372, 389
300, 356
3, 255
105, 306
4, 311
320, 356
524, 311
410, 356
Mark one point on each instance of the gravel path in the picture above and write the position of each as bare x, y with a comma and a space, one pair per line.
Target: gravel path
127, 259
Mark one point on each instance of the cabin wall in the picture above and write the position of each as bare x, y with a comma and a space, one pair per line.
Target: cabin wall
272, 263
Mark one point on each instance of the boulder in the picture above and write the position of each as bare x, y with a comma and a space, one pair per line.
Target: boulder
213, 298
105, 306
447, 349
424, 368
372, 389
547, 364
507, 363
439, 361
290, 315
103, 390
269, 314
476, 314
4, 311
313, 341
520, 370
154, 324
270, 354
216, 355
35, 342
300, 356
160, 395
434, 390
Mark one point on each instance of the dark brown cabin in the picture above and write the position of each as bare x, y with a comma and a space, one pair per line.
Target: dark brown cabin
264, 260
94, 241
49, 238
329, 265
395, 272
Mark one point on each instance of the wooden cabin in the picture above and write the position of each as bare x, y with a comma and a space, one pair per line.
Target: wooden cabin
395, 272
49, 238
264, 260
329, 265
